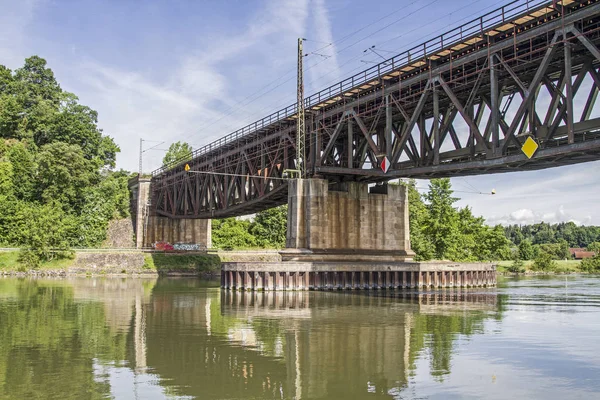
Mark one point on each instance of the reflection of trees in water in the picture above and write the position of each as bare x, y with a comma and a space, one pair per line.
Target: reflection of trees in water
350, 343
188, 347
49, 342
207, 343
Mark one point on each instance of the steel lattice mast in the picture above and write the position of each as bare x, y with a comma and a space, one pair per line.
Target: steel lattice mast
300, 125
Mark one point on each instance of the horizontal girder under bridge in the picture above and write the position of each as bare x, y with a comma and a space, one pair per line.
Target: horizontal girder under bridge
462, 103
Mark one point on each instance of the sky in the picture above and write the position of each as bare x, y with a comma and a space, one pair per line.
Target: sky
166, 71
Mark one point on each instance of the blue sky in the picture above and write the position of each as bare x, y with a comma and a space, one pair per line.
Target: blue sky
197, 70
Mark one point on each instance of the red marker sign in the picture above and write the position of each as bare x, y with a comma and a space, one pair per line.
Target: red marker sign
385, 165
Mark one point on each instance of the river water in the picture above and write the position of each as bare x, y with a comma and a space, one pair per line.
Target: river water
89, 338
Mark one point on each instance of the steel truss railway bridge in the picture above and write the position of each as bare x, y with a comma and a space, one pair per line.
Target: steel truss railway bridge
462, 103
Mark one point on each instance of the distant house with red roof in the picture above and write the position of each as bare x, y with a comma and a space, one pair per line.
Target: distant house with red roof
579, 254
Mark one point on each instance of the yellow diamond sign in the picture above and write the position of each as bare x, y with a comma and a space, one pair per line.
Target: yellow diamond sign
187, 166
529, 147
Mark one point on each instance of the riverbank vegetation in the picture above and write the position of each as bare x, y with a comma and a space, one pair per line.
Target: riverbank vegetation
59, 190
58, 187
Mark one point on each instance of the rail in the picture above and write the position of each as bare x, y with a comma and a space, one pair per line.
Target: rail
473, 28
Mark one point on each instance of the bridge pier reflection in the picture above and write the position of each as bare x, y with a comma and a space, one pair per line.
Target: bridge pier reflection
371, 339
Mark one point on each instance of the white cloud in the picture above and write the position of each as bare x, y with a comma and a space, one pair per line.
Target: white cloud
15, 19
321, 71
199, 101
527, 216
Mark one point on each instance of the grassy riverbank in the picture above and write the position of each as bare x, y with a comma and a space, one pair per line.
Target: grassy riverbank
562, 267
9, 261
116, 262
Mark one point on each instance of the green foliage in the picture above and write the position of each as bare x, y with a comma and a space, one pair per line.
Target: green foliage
56, 186
591, 265
64, 174
232, 233
518, 266
558, 251
182, 262
572, 234
443, 220
526, 251
43, 233
6, 179
270, 226
178, 152
439, 230
594, 246
544, 263
418, 214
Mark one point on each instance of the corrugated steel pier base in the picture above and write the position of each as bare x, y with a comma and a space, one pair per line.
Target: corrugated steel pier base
354, 276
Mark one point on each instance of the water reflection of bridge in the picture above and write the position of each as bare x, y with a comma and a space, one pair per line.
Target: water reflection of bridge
209, 343
337, 341
199, 341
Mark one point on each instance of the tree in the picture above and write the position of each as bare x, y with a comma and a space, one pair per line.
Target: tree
44, 233
232, 233
591, 265
37, 81
442, 222
558, 251
64, 174
418, 215
270, 227
544, 262
543, 233
517, 267
526, 251
24, 170
57, 187
178, 152
494, 245
595, 247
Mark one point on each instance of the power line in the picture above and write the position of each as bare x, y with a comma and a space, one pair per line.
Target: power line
327, 45
232, 108
443, 28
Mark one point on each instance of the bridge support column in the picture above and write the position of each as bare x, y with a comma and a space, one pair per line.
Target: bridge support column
151, 228
185, 230
349, 223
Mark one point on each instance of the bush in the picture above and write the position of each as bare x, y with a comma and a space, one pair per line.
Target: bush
29, 259
544, 263
591, 264
517, 267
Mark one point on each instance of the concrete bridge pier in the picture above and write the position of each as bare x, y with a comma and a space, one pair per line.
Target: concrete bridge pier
347, 222
151, 228
350, 237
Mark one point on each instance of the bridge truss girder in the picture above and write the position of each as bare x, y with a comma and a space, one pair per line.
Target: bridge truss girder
474, 122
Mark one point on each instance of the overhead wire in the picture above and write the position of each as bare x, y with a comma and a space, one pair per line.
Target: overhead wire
254, 96
361, 67
327, 45
337, 52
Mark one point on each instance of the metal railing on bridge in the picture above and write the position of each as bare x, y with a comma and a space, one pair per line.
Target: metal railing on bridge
498, 18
